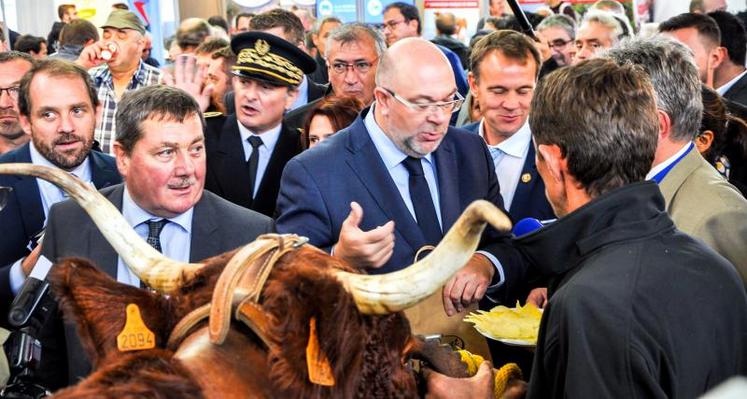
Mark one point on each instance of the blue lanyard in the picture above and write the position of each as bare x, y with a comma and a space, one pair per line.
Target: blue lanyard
660, 176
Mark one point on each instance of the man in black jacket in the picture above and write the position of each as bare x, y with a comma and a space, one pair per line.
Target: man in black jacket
636, 308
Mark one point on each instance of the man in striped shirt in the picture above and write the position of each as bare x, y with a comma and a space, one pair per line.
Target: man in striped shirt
115, 67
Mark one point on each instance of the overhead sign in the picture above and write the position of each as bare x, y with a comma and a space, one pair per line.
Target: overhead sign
346, 10
373, 12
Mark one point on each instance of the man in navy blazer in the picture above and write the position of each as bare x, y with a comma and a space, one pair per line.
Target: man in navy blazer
504, 70
356, 197
61, 136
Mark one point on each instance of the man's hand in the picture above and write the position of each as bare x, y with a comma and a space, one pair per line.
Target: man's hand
190, 77
28, 263
538, 297
91, 55
364, 249
480, 386
468, 285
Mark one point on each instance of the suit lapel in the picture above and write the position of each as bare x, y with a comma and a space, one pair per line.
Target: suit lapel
103, 174
27, 192
448, 183
371, 171
204, 241
288, 146
99, 248
737, 88
232, 172
527, 180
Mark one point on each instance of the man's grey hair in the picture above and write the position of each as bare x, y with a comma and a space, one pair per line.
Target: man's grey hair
355, 32
559, 21
675, 78
607, 20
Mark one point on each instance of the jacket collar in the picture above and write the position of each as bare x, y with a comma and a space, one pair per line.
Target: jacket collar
627, 213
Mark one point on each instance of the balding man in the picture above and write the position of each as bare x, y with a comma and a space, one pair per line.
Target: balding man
398, 177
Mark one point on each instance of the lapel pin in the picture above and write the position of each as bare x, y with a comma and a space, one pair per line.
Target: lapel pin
526, 177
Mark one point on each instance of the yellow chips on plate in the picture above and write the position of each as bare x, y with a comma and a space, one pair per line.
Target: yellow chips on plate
513, 326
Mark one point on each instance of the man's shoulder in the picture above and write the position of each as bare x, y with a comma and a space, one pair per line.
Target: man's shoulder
229, 213
71, 209
20, 154
707, 190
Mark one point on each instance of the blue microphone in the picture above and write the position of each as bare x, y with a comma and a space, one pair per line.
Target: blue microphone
529, 225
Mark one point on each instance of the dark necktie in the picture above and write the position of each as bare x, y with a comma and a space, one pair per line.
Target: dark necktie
154, 237
420, 195
154, 233
253, 162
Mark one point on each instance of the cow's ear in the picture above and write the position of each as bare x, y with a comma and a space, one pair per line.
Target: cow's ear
96, 305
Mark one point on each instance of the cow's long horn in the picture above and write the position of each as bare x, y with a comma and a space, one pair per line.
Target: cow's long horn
393, 292
152, 267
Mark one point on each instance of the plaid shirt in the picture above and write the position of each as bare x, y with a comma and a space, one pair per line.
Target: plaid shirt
145, 75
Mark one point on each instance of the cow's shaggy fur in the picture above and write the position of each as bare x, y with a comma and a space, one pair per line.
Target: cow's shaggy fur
367, 353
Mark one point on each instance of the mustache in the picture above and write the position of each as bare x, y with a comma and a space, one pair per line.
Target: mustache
66, 138
183, 182
8, 112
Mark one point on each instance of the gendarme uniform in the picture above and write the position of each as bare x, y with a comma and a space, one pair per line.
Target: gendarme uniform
245, 167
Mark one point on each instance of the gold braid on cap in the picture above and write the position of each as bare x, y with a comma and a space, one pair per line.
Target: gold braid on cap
260, 55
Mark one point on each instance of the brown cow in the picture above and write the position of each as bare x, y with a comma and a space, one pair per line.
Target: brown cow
362, 336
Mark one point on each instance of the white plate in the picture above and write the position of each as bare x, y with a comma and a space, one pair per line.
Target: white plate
511, 342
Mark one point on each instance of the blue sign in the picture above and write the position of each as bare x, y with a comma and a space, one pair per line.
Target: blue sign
346, 10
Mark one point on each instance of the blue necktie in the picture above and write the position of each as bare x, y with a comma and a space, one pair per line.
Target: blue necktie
420, 195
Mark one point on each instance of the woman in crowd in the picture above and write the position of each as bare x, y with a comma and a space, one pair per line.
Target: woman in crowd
330, 115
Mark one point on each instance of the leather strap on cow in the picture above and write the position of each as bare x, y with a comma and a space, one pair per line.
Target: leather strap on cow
239, 288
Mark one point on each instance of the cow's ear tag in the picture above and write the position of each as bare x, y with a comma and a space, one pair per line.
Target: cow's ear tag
320, 371
135, 335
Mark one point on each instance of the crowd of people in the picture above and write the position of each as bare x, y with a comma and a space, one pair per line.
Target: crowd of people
627, 146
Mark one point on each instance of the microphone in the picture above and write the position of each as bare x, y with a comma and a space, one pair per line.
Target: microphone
529, 225
27, 301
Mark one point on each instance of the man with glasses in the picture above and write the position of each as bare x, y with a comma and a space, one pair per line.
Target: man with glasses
395, 181
13, 65
558, 32
402, 20
352, 55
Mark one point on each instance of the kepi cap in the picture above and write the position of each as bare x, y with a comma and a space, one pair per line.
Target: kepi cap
264, 56
122, 19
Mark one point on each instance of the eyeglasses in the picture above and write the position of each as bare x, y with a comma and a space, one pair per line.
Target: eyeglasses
558, 43
392, 24
12, 91
359, 67
441, 106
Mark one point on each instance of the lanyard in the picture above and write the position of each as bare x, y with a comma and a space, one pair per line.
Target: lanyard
660, 176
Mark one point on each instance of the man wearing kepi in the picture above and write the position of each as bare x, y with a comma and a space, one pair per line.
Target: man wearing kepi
636, 307
161, 157
248, 150
397, 179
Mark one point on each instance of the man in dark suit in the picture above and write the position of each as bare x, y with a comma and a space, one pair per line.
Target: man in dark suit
248, 150
504, 70
160, 154
730, 78
13, 65
61, 137
353, 55
405, 176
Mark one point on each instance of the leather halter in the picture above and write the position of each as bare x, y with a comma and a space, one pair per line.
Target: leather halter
238, 289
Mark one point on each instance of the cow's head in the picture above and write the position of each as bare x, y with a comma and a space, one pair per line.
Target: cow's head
360, 329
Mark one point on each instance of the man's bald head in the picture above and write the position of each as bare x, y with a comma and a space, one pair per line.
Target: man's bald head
396, 62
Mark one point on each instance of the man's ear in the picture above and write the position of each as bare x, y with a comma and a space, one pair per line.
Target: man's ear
291, 97
552, 156
703, 141
382, 99
472, 84
122, 158
665, 125
25, 123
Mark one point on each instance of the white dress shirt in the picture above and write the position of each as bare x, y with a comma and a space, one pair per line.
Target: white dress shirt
509, 157
269, 140
658, 168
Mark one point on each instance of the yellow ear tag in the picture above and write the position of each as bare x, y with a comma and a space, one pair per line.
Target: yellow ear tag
135, 336
320, 371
